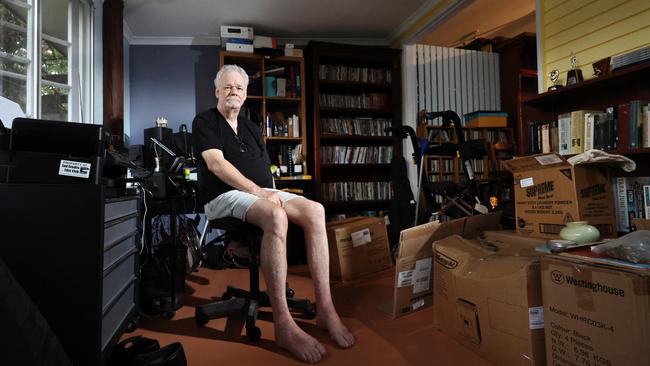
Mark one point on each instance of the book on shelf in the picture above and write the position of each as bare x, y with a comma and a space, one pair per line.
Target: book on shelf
578, 131
281, 87
546, 138
645, 123
564, 133
632, 200
554, 137
594, 130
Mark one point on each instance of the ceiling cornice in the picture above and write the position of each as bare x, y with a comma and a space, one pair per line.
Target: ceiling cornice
126, 31
216, 41
429, 16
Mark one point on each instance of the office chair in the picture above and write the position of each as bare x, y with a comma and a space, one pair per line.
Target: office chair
238, 305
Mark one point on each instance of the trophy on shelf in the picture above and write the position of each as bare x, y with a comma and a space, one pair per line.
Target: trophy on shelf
574, 75
601, 68
554, 75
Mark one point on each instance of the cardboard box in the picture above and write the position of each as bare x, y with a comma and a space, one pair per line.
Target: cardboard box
488, 296
641, 224
413, 287
357, 246
595, 314
486, 119
549, 192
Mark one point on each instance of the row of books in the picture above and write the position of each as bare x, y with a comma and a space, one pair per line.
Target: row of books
289, 159
279, 125
626, 126
356, 74
356, 154
357, 191
492, 134
435, 177
360, 126
441, 165
631, 199
362, 101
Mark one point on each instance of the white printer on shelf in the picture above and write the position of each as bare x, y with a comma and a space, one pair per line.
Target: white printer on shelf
236, 38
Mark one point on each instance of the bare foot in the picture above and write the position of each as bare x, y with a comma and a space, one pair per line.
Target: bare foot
338, 332
300, 344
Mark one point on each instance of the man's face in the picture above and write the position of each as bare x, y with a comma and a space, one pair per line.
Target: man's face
231, 92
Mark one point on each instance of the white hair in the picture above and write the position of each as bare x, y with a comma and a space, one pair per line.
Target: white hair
230, 68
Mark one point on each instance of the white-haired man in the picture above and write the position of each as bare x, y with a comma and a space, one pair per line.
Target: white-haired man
236, 182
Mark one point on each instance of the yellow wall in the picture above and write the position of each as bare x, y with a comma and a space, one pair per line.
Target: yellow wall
590, 30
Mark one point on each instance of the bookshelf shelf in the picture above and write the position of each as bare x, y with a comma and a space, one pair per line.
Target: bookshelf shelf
498, 140
615, 89
283, 99
275, 111
347, 75
378, 139
618, 86
354, 84
355, 166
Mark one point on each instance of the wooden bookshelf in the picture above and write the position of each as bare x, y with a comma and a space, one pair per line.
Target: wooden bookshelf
362, 86
616, 88
260, 104
518, 69
500, 143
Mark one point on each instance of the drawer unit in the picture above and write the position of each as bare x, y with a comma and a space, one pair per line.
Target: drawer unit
84, 278
119, 229
117, 312
117, 250
122, 271
120, 207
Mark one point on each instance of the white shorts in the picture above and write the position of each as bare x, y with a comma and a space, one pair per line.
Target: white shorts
236, 203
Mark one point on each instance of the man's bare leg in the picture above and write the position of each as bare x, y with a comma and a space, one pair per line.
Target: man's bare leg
310, 216
272, 219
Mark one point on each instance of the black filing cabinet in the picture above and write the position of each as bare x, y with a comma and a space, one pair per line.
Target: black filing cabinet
76, 254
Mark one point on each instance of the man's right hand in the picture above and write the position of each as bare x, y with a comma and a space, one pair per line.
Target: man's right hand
272, 197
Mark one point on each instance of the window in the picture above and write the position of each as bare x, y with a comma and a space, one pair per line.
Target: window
45, 57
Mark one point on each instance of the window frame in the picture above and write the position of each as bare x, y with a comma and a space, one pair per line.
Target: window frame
80, 43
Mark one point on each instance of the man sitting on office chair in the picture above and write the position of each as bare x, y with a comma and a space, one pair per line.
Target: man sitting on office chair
237, 182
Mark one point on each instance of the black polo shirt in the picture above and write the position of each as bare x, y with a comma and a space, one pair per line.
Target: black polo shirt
210, 130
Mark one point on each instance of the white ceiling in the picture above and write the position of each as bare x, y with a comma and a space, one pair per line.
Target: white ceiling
360, 21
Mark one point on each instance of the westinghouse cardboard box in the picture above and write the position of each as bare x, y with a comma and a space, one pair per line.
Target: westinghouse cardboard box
357, 246
413, 286
549, 192
595, 314
488, 296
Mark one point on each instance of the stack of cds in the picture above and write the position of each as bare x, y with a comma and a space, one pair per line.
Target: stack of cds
630, 58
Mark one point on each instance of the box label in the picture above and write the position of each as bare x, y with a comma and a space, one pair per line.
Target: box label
548, 159
536, 317
526, 182
75, 169
405, 278
422, 275
361, 237
418, 304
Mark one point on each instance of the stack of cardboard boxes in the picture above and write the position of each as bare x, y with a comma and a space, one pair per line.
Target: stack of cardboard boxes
497, 293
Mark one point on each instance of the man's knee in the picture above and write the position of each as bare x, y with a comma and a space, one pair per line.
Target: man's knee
315, 211
276, 222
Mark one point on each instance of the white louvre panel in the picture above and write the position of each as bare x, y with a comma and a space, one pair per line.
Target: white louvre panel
459, 80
